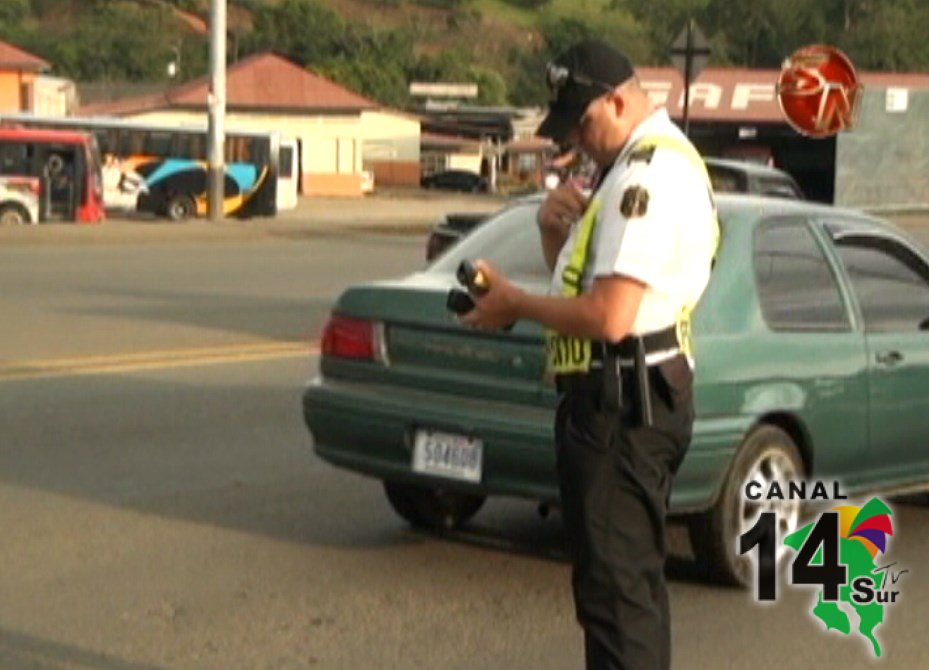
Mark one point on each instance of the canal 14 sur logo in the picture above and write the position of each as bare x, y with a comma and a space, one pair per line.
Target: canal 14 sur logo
843, 552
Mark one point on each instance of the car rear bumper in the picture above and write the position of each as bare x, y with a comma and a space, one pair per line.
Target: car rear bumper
519, 458
519, 453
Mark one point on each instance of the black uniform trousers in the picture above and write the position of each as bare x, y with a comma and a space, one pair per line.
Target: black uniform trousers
615, 480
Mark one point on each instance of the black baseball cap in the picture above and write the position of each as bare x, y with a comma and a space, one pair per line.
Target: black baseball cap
576, 78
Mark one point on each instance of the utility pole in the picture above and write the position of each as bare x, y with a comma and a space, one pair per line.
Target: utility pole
216, 101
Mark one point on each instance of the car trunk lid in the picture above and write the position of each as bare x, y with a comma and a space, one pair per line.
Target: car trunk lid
427, 347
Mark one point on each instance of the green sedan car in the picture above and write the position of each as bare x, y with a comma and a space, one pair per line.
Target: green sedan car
812, 361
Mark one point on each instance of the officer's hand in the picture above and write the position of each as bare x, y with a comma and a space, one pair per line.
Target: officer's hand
562, 207
497, 308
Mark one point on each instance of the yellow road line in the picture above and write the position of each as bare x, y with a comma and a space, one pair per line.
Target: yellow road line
154, 360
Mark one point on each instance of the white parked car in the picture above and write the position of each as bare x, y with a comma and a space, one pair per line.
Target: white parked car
19, 200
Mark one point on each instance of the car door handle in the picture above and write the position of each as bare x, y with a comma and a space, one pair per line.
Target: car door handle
888, 358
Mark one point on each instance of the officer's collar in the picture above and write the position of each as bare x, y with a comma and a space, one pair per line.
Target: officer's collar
656, 119
659, 117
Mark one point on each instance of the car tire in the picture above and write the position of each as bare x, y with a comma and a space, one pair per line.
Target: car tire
13, 215
180, 207
767, 452
432, 508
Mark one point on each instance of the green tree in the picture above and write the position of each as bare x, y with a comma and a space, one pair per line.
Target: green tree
491, 86
561, 28
120, 40
887, 35
303, 30
616, 26
14, 11
378, 65
441, 4
662, 21
528, 4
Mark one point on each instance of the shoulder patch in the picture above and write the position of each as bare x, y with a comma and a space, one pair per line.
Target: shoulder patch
642, 154
634, 202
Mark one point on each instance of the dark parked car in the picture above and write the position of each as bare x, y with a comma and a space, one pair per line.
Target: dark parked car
727, 176
449, 230
812, 350
456, 180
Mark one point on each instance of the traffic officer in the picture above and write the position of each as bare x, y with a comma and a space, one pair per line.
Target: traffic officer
629, 264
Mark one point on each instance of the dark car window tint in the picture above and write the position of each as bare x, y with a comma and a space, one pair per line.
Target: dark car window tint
158, 143
890, 282
796, 286
725, 180
286, 159
15, 158
509, 241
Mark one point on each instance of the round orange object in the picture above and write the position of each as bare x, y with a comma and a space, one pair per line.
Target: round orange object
818, 91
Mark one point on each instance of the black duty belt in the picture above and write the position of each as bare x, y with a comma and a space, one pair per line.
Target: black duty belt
660, 340
632, 350
633, 345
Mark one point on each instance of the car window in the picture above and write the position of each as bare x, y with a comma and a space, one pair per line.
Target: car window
286, 160
890, 281
725, 180
797, 288
15, 158
158, 143
509, 241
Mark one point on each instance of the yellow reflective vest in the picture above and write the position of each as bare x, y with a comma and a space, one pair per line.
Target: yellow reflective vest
568, 354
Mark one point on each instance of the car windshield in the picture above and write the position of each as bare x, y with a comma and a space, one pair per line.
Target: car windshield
509, 241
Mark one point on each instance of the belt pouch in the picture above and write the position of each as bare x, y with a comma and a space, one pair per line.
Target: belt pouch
612, 389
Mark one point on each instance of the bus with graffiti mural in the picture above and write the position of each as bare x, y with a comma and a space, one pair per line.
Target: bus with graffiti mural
163, 171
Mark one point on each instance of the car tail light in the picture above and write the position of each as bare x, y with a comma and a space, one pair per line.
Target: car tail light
359, 339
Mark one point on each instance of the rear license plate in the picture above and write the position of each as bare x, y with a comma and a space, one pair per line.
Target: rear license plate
448, 455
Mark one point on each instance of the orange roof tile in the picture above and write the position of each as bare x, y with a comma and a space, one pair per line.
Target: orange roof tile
14, 58
263, 81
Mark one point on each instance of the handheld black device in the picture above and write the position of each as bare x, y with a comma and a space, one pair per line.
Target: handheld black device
472, 278
459, 302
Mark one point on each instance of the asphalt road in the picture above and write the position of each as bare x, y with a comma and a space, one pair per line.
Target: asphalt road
160, 506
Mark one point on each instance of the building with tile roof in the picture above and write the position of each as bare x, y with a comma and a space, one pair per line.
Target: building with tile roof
340, 134
25, 88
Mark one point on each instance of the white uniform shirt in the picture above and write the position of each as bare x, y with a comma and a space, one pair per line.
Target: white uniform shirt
669, 248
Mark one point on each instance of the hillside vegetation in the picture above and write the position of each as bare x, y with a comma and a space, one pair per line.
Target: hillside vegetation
378, 46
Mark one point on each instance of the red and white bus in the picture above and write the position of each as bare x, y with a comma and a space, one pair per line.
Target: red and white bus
62, 169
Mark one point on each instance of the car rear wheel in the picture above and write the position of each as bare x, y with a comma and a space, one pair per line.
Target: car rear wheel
433, 508
13, 215
180, 207
766, 455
